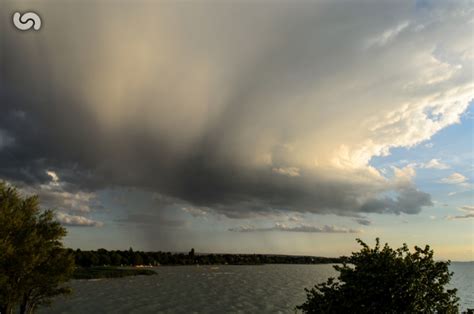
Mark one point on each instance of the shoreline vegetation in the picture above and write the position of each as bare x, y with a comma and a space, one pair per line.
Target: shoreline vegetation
103, 257
102, 263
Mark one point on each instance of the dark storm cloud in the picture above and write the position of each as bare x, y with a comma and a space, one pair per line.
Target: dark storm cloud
95, 103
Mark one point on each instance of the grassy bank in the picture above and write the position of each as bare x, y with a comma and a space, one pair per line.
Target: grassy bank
109, 272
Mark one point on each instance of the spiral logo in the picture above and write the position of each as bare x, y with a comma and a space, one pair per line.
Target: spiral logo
26, 21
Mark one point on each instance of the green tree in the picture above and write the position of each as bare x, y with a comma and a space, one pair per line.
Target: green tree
384, 280
137, 259
33, 263
115, 259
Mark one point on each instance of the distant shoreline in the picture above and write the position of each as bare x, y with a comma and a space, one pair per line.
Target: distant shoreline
103, 257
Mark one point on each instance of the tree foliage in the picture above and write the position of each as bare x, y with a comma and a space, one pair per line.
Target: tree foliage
33, 263
384, 280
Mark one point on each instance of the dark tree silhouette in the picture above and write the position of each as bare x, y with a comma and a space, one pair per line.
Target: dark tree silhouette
384, 280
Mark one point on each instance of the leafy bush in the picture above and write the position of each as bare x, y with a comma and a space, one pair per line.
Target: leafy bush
384, 280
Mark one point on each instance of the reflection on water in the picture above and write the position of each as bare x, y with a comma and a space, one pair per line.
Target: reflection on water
223, 289
463, 280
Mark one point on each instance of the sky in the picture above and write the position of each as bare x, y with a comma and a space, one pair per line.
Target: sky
244, 126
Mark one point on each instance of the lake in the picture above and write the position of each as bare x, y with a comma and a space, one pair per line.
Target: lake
216, 289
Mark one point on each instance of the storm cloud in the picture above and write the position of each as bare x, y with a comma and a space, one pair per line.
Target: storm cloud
238, 108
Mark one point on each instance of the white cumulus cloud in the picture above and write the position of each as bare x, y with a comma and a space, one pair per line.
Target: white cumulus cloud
454, 178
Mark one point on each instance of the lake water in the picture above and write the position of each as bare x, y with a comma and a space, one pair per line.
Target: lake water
216, 289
